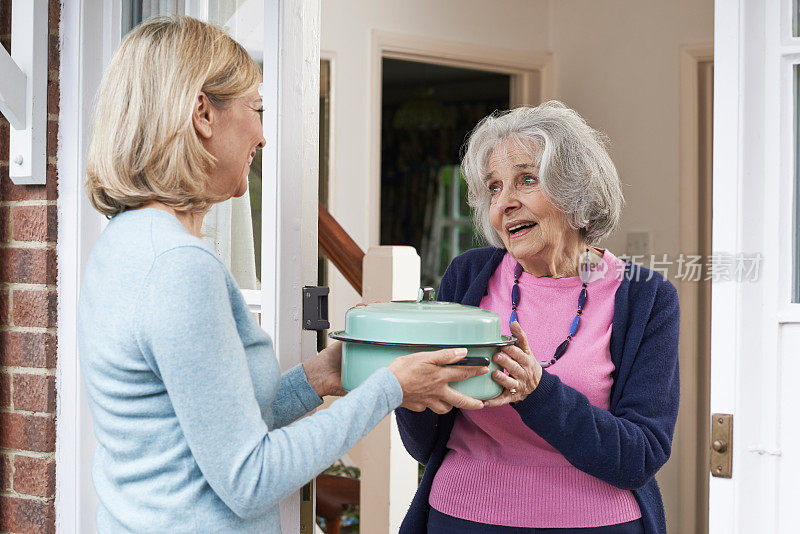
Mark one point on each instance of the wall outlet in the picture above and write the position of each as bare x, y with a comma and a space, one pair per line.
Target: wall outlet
638, 243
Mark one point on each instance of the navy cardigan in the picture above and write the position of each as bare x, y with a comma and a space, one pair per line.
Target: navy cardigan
624, 446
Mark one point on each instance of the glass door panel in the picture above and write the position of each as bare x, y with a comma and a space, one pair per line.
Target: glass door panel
134, 12
232, 228
796, 207
796, 18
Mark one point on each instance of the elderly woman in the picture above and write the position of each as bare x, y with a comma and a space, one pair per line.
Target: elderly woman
591, 393
196, 427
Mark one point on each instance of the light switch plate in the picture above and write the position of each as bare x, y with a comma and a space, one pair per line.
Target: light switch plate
638, 243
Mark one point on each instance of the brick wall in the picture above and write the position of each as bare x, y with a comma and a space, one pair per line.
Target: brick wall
28, 228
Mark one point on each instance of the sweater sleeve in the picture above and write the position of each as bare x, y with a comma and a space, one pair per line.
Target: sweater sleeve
419, 431
625, 448
295, 397
187, 331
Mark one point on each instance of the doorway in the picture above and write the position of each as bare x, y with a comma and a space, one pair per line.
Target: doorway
427, 110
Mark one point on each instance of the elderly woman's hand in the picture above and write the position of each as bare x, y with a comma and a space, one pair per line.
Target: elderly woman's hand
524, 371
425, 378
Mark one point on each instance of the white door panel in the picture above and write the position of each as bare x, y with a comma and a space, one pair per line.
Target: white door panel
284, 37
756, 325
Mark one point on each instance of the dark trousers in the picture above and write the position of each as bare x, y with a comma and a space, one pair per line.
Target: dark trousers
439, 523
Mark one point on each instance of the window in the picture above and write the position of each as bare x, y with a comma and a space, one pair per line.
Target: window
796, 207
796, 18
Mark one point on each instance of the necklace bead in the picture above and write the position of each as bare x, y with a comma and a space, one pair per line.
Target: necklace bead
583, 296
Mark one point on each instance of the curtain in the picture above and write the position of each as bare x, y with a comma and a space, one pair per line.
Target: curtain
136, 11
228, 230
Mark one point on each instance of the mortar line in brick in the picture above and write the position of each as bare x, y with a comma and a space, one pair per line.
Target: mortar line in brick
29, 454
28, 329
13, 468
26, 287
15, 203
38, 245
51, 415
46, 371
11, 493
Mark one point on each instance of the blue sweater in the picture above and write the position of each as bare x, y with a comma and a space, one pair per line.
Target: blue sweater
195, 424
624, 446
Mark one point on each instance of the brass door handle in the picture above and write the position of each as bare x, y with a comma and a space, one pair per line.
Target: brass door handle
722, 445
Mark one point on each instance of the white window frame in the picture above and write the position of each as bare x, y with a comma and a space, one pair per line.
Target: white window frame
788, 51
90, 31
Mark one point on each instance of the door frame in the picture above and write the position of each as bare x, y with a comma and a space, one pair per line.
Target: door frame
85, 26
531, 75
692, 427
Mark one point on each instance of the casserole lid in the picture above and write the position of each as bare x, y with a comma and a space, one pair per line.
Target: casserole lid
424, 322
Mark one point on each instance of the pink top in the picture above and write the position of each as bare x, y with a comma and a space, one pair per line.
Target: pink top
500, 472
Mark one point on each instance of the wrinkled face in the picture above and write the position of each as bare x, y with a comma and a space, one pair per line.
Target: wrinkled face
529, 225
237, 135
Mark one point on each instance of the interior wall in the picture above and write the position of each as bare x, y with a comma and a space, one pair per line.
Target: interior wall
347, 27
617, 64
615, 61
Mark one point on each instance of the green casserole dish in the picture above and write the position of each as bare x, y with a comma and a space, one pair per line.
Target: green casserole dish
376, 334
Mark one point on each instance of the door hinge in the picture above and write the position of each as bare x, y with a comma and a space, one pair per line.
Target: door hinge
307, 512
722, 445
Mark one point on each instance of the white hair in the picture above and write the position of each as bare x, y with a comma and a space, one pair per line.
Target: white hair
575, 171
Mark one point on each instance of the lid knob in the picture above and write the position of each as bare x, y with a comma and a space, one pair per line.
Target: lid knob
426, 294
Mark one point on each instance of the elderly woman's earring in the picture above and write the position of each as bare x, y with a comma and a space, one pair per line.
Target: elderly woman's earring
585, 268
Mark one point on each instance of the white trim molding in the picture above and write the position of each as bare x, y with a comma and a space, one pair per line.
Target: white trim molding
726, 327
82, 37
693, 363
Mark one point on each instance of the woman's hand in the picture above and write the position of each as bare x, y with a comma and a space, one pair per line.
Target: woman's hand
324, 371
425, 380
524, 371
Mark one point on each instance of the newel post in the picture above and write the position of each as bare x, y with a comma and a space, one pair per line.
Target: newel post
388, 473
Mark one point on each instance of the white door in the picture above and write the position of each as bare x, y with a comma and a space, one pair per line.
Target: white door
755, 359
269, 240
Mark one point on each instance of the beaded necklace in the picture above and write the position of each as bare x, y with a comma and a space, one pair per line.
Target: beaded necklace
584, 273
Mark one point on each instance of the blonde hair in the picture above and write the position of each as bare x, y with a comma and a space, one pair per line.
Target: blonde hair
143, 145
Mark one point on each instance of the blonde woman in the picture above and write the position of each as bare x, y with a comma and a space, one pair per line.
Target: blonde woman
197, 429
